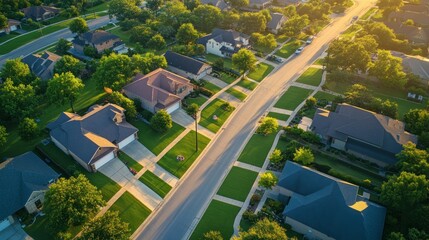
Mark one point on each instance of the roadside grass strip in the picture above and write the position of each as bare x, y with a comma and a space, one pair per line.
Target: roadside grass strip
260, 72
278, 116
292, 98
186, 148
247, 84
237, 94
130, 162
207, 115
238, 183
155, 183
288, 49
219, 216
257, 149
312, 76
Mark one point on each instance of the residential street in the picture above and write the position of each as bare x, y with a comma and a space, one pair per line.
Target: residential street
50, 39
178, 215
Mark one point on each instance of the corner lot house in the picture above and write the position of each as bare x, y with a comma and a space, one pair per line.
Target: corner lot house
363, 133
276, 23
99, 39
12, 25
224, 43
186, 66
42, 65
23, 182
159, 89
40, 13
323, 207
94, 138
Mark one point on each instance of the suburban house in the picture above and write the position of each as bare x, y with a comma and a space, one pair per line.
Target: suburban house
363, 133
40, 13
276, 23
221, 4
42, 65
99, 39
419, 18
415, 35
12, 25
186, 66
94, 138
224, 43
23, 182
323, 207
259, 4
159, 89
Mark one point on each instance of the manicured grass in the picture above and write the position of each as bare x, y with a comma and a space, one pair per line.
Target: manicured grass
312, 76
214, 108
324, 95
98, 8
368, 13
257, 149
4, 38
124, 36
130, 162
278, 116
186, 148
220, 217
40, 229
260, 72
210, 86
226, 77
404, 105
155, 183
131, 211
238, 183
227, 62
200, 100
288, 49
236, 93
107, 186
292, 98
281, 38
319, 61
247, 84
155, 141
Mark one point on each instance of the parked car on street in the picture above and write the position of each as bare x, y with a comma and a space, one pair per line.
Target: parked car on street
309, 40
299, 50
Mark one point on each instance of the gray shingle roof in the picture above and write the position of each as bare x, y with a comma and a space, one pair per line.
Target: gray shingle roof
93, 135
276, 20
221, 35
99, 36
185, 63
19, 177
42, 65
36, 12
221, 4
329, 205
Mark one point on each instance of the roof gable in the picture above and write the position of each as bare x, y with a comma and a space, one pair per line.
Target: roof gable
185, 63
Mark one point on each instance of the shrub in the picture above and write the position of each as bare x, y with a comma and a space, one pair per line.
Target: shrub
206, 92
276, 156
28, 128
161, 121
227, 107
268, 126
303, 156
192, 109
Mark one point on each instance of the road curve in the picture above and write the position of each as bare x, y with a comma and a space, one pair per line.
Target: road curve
180, 210
50, 39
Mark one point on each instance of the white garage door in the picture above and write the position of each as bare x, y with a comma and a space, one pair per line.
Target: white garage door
104, 160
4, 224
12, 28
173, 107
126, 141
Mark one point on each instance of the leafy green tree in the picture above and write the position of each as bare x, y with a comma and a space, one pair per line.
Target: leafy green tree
174, 13
114, 71
187, 34
413, 160
396, 236
315, 10
3, 135
303, 156
310, 102
28, 128
192, 4
229, 19
390, 5
63, 88
3, 21
148, 62
128, 104
294, 25
17, 71
263, 229
189, 49
71, 202
417, 121
388, 69
268, 180
389, 108
154, 5
161, 121
265, 42
124, 9
358, 95
62, 46
244, 60
108, 226
141, 34
268, 126
219, 63
192, 109
206, 17
69, 64
17, 101
212, 235
239, 3
252, 22
79, 26
157, 42
276, 156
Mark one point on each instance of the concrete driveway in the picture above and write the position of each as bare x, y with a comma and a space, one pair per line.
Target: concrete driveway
14, 232
182, 118
140, 153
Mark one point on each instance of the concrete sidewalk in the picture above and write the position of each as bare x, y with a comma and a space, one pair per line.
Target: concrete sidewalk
242, 89
216, 81
165, 175
229, 98
182, 118
247, 166
228, 200
281, 111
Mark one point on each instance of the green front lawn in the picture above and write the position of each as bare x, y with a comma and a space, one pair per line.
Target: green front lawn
247, 84
292, 98
312, 76
288, 49
214, 108
236, 93
155, 141
324, 96
257, 149
186, 148
125, 37
210, 86
200, 100
260, 72
155, 183
220, 217
278, 116
227, 62
107, 186
130, 162
226, 77
98, 8
40, 229
6, 37
404, 105
238, 183
319, 61
131, 211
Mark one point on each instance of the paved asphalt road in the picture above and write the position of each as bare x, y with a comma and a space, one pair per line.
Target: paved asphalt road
50, 39
179, 212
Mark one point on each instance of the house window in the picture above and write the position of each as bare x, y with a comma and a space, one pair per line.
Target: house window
38, 204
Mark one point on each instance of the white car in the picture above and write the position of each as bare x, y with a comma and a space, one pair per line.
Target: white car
299, 50
309, 40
